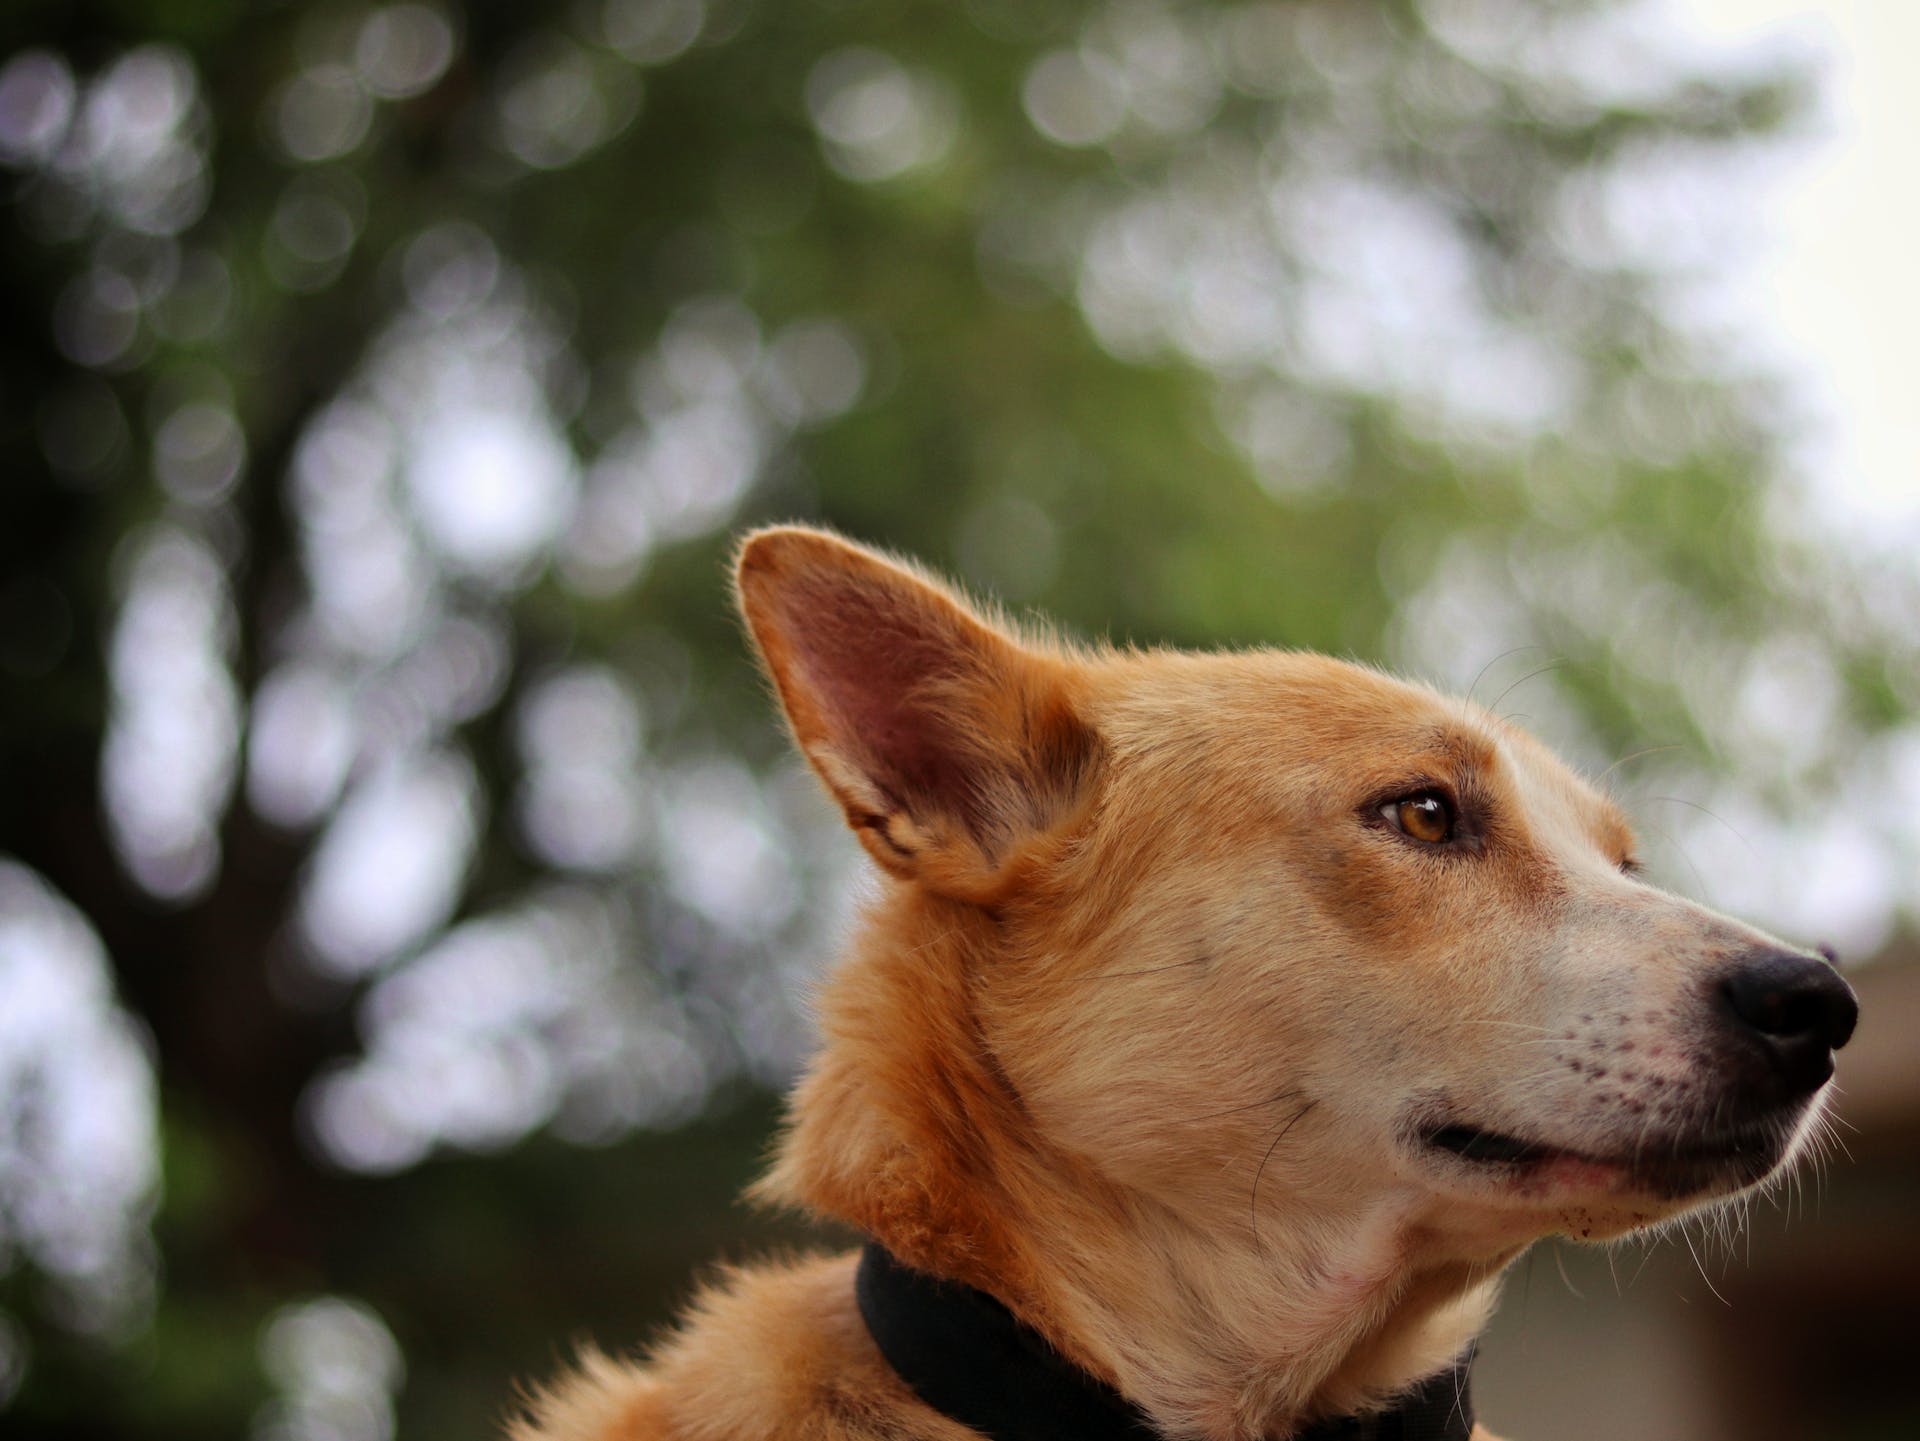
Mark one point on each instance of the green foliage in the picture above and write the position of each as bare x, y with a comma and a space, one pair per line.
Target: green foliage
1304, 324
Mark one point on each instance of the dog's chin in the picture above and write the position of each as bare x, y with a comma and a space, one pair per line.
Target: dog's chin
1648, 1175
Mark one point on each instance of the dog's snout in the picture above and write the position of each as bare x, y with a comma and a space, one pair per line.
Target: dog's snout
1795, 1009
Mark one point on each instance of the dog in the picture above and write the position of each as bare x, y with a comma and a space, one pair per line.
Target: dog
1225, 1027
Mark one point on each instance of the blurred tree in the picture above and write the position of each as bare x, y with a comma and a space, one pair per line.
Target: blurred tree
398, 823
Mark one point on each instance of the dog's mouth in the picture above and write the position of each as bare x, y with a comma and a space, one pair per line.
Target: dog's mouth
1671, 1166
1470, 1143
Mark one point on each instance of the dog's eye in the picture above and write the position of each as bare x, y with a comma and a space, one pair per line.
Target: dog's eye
1423, 816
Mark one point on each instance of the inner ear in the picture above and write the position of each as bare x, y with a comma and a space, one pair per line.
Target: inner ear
891, 689
945, 740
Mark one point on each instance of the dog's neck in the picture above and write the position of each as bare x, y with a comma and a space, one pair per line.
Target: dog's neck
914, 1135
967, 1357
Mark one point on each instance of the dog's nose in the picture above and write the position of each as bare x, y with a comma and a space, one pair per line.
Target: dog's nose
1795, 1009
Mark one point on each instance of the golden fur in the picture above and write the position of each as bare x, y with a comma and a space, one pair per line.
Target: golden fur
1133, 1037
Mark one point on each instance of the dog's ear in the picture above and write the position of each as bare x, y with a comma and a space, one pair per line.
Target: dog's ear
951, 747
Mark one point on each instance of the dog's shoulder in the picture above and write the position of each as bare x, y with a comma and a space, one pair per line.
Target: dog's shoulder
774, 1352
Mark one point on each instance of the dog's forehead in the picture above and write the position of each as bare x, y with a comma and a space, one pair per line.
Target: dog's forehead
1344, 730
1286, 704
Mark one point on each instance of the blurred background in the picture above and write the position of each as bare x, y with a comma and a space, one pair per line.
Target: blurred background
407, 902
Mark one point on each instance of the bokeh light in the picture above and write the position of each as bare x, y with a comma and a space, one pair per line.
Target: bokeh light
79, 1168
335, 1367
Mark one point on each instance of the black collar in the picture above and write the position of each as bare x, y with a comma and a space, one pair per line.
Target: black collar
965, 1355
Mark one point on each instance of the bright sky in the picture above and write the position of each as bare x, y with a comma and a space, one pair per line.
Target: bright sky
1837, 285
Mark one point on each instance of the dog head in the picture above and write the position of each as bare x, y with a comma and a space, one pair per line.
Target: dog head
1260, 939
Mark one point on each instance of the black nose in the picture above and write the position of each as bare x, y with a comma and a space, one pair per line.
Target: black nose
1795, 1009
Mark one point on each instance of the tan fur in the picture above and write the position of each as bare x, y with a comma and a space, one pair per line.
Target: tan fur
1132, 1037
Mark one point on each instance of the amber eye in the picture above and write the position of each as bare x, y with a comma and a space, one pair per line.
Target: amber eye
1424, 816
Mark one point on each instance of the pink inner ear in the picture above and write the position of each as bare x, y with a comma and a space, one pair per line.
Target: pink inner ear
877, 664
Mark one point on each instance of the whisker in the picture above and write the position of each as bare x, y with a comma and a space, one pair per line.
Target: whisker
1560, 1262
1526, 1294
1253, 1201
1542, 670
1516, 1025
1459, 1406
1706, 811
1679, 850
1274, 1100
1516, 650
1646, 1255
1600, 779
935, 941
1830, 1123
1702, 1269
